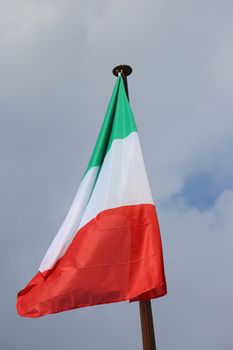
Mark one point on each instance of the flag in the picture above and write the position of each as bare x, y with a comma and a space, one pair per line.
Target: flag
108, 248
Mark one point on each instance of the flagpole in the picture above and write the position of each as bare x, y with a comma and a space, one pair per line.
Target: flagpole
146, 316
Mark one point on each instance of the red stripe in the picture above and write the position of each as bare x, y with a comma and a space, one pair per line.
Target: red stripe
116, 256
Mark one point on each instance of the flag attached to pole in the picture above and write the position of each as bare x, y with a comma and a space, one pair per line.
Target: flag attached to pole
108, 249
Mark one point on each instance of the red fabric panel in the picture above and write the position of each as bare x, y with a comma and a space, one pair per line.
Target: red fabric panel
116, 256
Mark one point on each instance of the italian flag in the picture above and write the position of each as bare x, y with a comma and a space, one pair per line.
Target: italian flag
108, 249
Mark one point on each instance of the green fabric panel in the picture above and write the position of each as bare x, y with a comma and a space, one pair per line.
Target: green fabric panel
118, 123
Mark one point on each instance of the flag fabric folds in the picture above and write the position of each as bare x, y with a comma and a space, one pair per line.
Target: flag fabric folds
108, 249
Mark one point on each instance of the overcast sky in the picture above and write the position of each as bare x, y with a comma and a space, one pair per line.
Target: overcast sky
56, 59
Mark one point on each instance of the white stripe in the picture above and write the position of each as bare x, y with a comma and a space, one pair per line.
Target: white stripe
70, 225
122, 179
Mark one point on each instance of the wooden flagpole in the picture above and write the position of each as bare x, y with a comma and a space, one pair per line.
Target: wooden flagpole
146, 316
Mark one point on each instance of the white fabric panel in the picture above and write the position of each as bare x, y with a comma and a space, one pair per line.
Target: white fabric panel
70, 225
122, 179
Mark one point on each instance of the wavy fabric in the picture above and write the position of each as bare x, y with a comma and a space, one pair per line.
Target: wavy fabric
115, 257
108, 248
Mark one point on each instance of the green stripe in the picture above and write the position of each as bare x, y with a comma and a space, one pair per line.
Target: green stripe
118, 123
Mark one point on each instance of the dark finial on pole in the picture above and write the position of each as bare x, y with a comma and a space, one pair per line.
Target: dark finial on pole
124, 70
147, 327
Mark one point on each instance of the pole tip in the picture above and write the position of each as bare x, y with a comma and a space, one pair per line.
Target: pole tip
124, 69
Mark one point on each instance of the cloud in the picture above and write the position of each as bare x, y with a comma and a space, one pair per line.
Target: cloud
55, 66
198, 255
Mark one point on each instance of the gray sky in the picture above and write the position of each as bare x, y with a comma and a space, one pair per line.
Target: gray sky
56, 59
